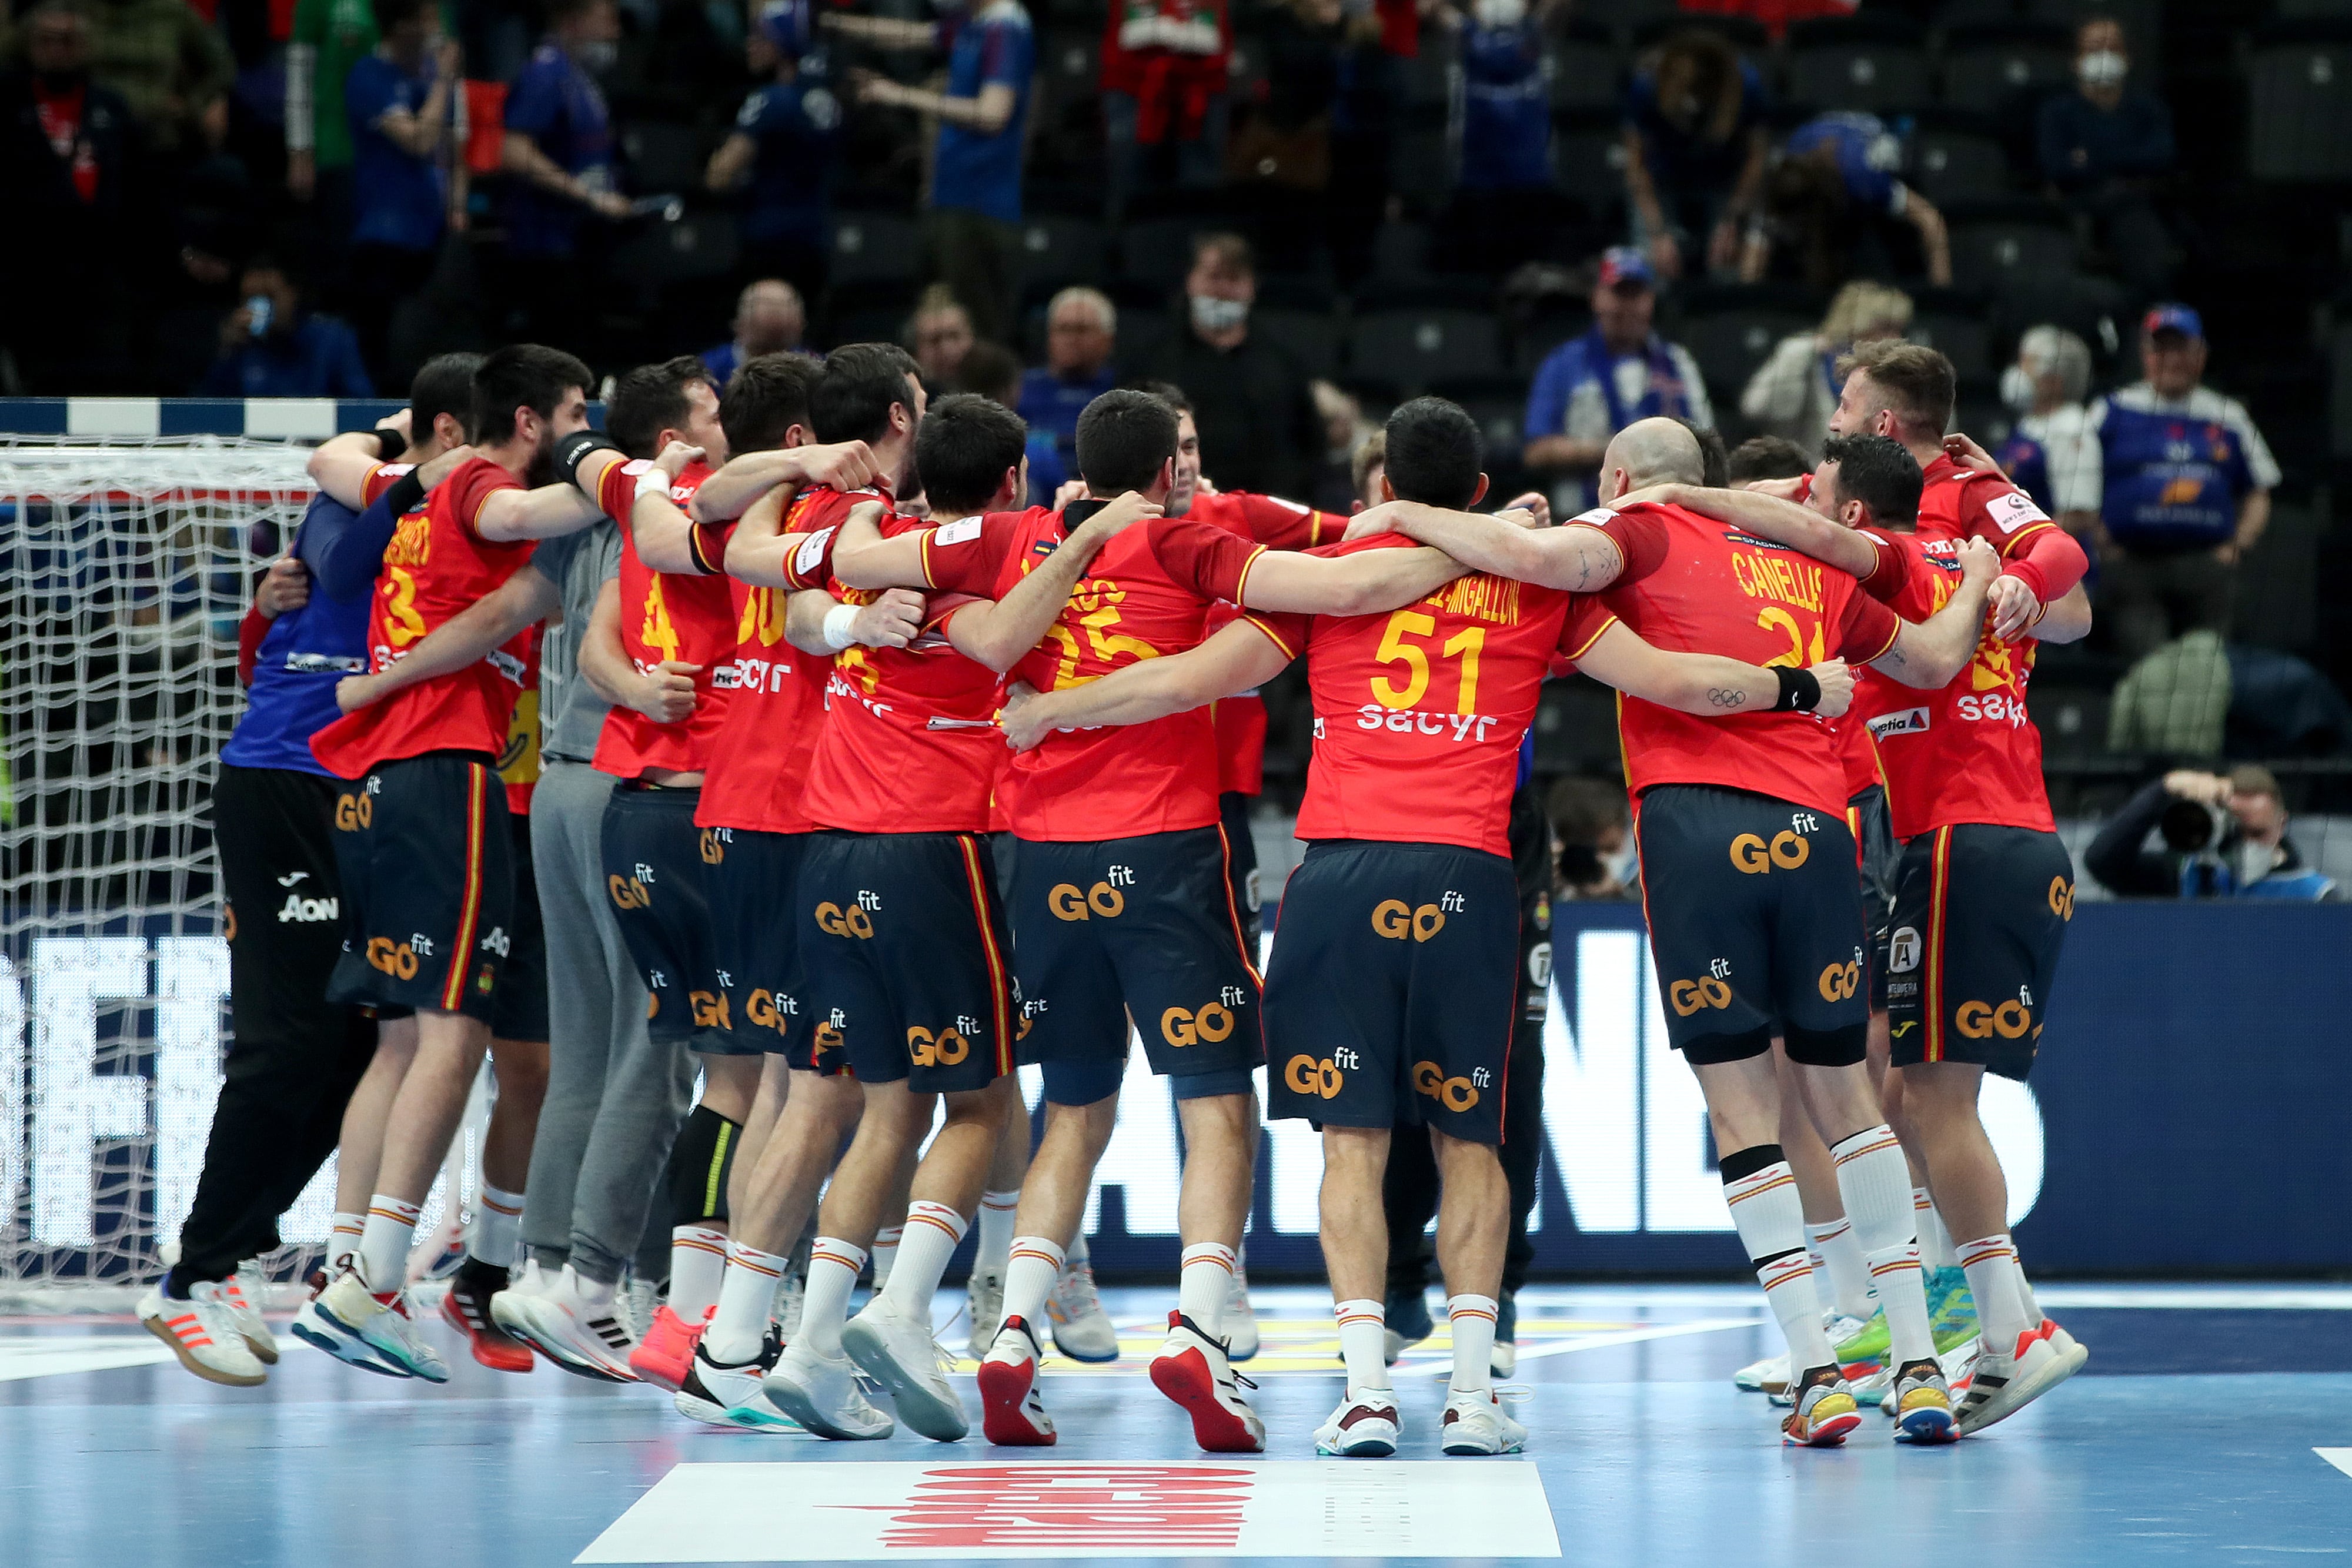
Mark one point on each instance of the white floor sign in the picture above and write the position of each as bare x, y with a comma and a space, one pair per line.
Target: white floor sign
876, 1512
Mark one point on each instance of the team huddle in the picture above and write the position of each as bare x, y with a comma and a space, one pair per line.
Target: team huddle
705, 744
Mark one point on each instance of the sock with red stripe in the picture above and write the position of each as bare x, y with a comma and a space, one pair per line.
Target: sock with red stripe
1030, 1270
832, 1270
1202, 1289
384, 1245
1770, 1219
1474, 1341
744, 1298
343, 1240
1876, 1184
1837, 1256
932, 1231
885, 1252
1994, 1276
698, 1270
1935, 1240
1363, 1344
996, 1212
497, 1233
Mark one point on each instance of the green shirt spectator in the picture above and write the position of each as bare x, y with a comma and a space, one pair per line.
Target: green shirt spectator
329, 38
168, 63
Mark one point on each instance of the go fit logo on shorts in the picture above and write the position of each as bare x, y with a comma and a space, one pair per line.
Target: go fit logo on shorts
1211, 1024
835, 921
1453, 1094
1105, 898
1982, 1020
353, 812
949, 1048
1323, 1079
397, 959
1710, 990
1788, 849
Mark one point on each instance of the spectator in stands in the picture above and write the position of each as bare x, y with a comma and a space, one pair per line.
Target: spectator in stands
1695, 152
1592, 839
2186, 489
784, 145
1793, 392
2224, 837
404, 153
1345, 430
1832, 207
558, 157
1592, 387
1081, 330
991, 371
1164, 66
970, 239
2053, 455
169, 63
1250, 395
329, 38
1505, 129
768, 319
939, 335
66, 163
272, 347
2103, 148
1764, 457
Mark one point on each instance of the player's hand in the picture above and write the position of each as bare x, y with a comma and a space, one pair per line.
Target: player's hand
1027, 719
892, 620
1123, 512
1535, 504
1979, 562
845, 466
1204, 486
1837, 687
2189, 784
673, 458
353, 693
432, 473
1964, 451
1388, 517
1071, 490
1517, 517
666, 693
2011, 608
285, 586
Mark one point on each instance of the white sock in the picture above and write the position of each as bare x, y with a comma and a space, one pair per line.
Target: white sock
697, 1269
1474, 1341
498, 1227
1770, 1219
2025, 1289
1876, 1186
832, 1270
931, 1233
391, 1231
1202, 1288
1030, 1270
996, 1211
344, 1241
886, 1254
1837, 1256
744, 1299
1363, 1344
1994, 1277
1935, 1240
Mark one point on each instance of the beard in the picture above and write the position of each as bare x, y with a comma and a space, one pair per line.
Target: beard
542, 470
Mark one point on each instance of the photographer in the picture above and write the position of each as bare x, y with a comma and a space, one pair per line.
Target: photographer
2223, 838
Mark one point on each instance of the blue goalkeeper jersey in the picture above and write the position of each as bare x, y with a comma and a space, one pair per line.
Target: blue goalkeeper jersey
306, 651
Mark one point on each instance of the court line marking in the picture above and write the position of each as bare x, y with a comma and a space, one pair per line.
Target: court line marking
2340, 1458
54, 1356
1597, 1341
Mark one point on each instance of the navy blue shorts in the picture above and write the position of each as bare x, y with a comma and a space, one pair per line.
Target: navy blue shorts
755, 934
1980, 914
660, 888
427, 860
520, 1013
1872, 827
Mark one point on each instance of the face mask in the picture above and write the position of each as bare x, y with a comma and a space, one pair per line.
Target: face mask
2102, 68
2017, 390
598, 54
1624, 864
1501, 13
1211, 314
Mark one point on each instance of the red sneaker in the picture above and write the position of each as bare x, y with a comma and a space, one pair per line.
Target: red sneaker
1192, 1370
467, 1308
1010, 1414
667, 1352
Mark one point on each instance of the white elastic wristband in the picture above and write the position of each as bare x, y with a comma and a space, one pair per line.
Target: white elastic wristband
653, 482
837, 623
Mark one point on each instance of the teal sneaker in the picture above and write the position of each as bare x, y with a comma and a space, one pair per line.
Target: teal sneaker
1866, 1350
1951, 1310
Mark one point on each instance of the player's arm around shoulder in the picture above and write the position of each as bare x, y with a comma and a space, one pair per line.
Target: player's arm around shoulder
1708, 684
1507, 544
1929, 655
862, 558
1783, 521
466, 638
999, 633
1244, 655
508, 513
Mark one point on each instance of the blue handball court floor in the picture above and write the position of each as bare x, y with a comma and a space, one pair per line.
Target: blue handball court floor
2213, 1425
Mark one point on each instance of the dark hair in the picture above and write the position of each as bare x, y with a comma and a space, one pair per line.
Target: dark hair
390, 14
965, 445
1716, 84
1231, 250
990, 370
519, 376
1916, 381
1434, 453
651, 399
1877, 471
1715, 464
1583, 809
442, 384
851, 401
1168, 393
1764, 457
764, 399
1124, 437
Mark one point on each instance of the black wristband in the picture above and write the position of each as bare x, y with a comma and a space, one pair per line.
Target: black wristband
406, 495
1801, 692
574, 448
389, 444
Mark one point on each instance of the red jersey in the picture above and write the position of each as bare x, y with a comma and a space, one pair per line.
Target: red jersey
1958, 503
1147, 594
666, 615
756, 770
909, 742
1857, 752
1240, 719
1968, 753
1419, 713
1694, 585
436, 565
519, 760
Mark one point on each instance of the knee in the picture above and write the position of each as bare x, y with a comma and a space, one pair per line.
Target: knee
521, 1070
1355, 1153
1459, 1158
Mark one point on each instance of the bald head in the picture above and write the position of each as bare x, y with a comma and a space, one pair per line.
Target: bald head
1650, 452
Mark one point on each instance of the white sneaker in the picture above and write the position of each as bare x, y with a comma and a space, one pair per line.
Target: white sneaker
1474, 1423
1770, 1376
1192, 1370
203, 1332
906, 1358
720, 1395
983, 1305
792, 1292
579, 1332
526, 1283
436, 1254
638, 1301
1082, 1330
1011, 1415
1364, 1427
823, 1395
380, 1326
1241, 1321
244, 1290
2001, 1386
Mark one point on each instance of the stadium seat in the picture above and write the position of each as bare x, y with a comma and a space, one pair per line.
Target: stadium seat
1400, 252
1059, 251
1586, 68
1499, 404
1950, 165
1991, 67
1588, 162
2073, 719
2339, 401
2143, 23
1246, 66
1533, 340
2314, 10
1427, 77
697, 249
1407, 347
1962, 337
2300, 92
662, 156
1627, 18
1069, 63
1730, 329
1423, 158
874, 247
1857, 62
1575, 728
1745, 34
1158, 252
1313, 337
1998, 244
2276, 602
